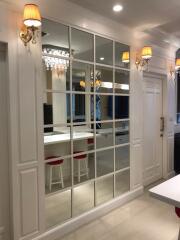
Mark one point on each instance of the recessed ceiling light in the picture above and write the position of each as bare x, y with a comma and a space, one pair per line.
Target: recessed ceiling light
101, 58
117, 8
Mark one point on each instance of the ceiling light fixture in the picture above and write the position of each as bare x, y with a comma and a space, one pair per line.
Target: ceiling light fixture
117, 8
102, 58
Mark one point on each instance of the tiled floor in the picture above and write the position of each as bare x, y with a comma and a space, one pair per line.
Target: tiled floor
144, 218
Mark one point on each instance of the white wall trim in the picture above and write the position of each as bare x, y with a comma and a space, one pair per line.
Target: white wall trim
2, 230
85, 218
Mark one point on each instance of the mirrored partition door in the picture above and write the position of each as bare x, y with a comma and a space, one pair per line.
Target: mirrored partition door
86, 84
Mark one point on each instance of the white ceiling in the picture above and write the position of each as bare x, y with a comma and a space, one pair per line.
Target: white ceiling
136, 13
162, 16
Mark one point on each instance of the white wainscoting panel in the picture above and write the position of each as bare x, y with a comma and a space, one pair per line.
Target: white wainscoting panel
27, 105
170, 154
136, 165
29, 201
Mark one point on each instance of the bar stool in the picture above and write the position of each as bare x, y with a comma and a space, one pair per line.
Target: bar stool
54, 164
177, 210
81, 171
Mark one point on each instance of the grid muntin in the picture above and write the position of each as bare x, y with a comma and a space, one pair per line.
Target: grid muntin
92, 122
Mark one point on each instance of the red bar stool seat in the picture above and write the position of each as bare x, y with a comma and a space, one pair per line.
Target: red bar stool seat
58, 161
177, 210
81, 170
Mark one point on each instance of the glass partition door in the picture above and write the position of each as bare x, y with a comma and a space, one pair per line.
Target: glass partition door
86, 121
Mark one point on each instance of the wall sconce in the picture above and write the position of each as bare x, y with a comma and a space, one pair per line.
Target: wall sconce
143, 59
125, 57
32, 22
177, 67
172, 69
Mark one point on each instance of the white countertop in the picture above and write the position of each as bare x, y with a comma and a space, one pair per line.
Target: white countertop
65, 137
168, 191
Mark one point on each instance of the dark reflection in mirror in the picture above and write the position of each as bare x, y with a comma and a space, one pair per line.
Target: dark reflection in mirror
82, 108
56, 108
121, 107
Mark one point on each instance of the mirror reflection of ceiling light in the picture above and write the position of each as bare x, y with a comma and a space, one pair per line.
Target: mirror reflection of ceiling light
117, 8
108, 85
125, 57
177, 67
55, 58
102, 58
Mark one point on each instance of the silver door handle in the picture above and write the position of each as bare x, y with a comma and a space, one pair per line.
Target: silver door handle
162, 124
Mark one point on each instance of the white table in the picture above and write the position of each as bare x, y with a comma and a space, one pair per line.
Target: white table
168, 192
65, 137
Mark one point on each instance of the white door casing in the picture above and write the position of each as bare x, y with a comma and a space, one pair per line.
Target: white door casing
152, 136
4, 159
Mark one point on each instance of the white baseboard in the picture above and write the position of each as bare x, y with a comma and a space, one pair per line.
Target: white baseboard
170, 175
60, 231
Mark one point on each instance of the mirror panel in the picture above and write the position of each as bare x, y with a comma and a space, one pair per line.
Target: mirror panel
105, 162
104, 79
104, 190
104, 51
55, 34
56, 108
121, 132
121, 107
82, 45
122, 81
82, 108
82, 77
57, 208
86, 126
56, 79
122, 182
119, 50
84, 166
122, 156
104, 135
54, 170
104, 107
83, 198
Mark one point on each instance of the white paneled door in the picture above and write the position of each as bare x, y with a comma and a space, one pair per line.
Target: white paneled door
152, 129
4, 167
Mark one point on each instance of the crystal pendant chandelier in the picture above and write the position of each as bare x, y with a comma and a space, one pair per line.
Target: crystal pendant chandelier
54, 58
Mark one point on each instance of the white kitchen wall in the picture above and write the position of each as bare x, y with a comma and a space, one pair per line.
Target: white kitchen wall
25, 116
